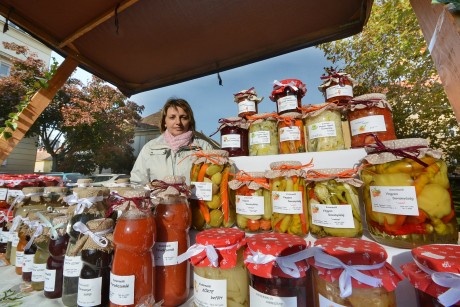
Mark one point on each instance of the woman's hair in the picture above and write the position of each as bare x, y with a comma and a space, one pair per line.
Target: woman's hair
177, 103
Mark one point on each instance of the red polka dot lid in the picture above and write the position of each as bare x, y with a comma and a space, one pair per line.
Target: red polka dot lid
279, 86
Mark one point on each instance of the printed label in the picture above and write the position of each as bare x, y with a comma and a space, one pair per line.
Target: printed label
166, 253
394, 200
324, 302
321, 130
122, 289
289, 134
3, 193
202, 190
257, 298
72, 266
50, 280
89, 292
15, 241
231, 141
27, 263
15, 193
38, 272
246, 106
287, 202
250, 205
209, 292
334, 216
338, 90
4, 236
259, 137
287, 103
374, 123
19, 259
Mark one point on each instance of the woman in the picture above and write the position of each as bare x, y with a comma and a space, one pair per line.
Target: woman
171, 152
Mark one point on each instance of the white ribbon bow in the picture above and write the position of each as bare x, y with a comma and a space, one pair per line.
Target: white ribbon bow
446, 280
53, 228
82, 203
96, 236
16, 221
290, 84
38, 231
211, 253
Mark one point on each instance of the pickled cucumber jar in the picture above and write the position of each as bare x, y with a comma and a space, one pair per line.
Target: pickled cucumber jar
210, 202
407, 195
263, 134
370, 115
333, 203
288, 95
291, 133
288, 197
352, 272
337, 86
220, 276
435, 274
234, 136
247, 101
253, 204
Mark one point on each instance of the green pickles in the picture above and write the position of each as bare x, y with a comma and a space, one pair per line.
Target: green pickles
263, 137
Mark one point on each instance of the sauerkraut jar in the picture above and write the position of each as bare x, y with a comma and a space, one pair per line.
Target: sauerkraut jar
291, 133
337, 86
247, 101
220, 276
352, 272
234, 136
435, 274
407, 195
263, 134
288, 95
333, 203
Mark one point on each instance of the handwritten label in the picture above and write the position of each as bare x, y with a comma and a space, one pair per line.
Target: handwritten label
339, 90
38, 272
231, 141
246, 106
287, 202
322, 129
72, 266
334, 216
261, 299
122, 289
15, 241
3, 193
15, 193
27, 263
4, 235
250, 205
166, 253
202, 190
287, 103
19, 259
259, 137
374, 123
209, 292
394, 200
289, 134
50, 280
89, 292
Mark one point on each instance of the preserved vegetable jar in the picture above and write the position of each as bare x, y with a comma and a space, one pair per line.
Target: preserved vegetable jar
291, 133
173, 219
253, 203
407, 195
337, 86
435, 274
333, 203
263, 134
234, 136
288, 95
369, 115
288, 197
247, 101
210, 202
220, 276
279, 274
352, 272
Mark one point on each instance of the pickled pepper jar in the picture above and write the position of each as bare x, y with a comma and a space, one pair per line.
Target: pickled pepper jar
247, 101
288, 95
263, 134
352, 272
234, 136
291, 133
367, 115
337, 86
407, 195
333, 203
219, 274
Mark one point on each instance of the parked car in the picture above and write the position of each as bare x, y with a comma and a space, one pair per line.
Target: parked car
106, 180
68, 179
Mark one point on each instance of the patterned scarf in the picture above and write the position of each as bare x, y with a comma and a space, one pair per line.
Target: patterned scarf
176, 142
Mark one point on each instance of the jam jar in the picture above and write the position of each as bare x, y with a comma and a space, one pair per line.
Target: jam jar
406, 194
234, 136
332, 284
263, 134
291, 133
284, 280
370, 115
288, 95
247, 101
435, 271
337, 86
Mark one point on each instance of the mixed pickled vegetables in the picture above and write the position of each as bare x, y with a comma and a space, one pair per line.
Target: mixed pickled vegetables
324, 131
291, 134
263, 137
250, 222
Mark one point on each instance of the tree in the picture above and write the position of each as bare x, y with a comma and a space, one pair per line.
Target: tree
390, 56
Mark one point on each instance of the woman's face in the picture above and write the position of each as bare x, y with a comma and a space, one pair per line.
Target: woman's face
177, 121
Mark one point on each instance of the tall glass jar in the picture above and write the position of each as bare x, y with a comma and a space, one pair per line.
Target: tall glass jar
263, 134
288, 95
247, 101
23, 238
291, 133
234, 136
337, 86
39, 262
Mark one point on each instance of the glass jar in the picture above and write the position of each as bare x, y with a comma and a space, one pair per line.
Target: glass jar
370, 115
54, 196
263, 135
270, 283
55, 266
247, 101
291, 133
27, 264
14, 245
29, 199
23, 238
375, 286
4, 235
408, 201
337, 86
288, 95
234, 136
39, 262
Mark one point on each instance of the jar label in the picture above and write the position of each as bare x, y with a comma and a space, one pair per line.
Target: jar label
50, 280
290, 134
231, 141
15, 241
10, 236
89, 292
202, 190
38, 272
3, 193
4, 236
257, 298
209, 292
394, 200
339, 90
287, 103
259, 137
15, 193
122, 289
287, 202
374, 123
250, 205
246, 106
19, 259
324, 302
27, 263
321, 130
166, 253
334, 216
72, 266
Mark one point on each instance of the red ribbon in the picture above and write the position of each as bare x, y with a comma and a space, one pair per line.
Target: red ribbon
162, 185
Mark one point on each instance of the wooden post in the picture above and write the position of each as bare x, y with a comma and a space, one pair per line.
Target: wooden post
37, 104
441, 30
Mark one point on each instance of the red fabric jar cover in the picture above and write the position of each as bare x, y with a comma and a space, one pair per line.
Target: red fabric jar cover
436, 271
296, 85
272, 255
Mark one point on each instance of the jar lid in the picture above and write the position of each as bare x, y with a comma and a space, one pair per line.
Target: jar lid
249, 94
263, 250
296, 85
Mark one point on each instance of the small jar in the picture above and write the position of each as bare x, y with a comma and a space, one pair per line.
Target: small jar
434, 272
337, 86
234, 136
247, 101
280, 281
263, 135
370, 115
334, 286
288, 95
291, 133
407, 201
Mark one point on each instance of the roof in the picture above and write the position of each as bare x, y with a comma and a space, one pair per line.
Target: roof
139, 45
151, 120
42, 155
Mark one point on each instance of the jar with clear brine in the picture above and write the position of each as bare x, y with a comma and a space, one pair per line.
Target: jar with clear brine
287, 94
291, 133
406, 194
337, 86
247, 101
263, 135
234, 136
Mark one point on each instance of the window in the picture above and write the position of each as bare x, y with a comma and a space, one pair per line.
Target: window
4, 70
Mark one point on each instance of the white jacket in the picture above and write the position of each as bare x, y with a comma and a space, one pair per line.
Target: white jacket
156, 160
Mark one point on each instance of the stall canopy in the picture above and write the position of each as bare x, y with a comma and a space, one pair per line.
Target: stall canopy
140, 45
